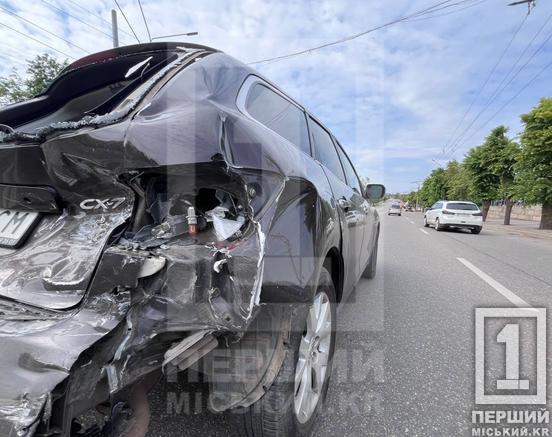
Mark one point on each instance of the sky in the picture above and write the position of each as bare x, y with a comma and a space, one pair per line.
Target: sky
397, 98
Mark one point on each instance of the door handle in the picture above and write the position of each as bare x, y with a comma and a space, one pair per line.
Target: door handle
344, 204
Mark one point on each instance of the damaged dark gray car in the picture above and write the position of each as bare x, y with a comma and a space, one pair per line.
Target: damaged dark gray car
164, 206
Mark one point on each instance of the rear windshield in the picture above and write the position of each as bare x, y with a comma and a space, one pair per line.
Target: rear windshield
463, 206
395, 206
94, 90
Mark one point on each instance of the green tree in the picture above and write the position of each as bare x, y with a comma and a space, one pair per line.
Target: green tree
39, 73
457, 187
410, 197
434, 187
534, 165
501, 153
484, 183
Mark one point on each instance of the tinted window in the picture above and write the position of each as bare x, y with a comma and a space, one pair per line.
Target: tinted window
395, 206
278, 114
325, 150
463, 206
352, 179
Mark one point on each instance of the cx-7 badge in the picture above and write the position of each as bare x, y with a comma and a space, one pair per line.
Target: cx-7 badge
105, 204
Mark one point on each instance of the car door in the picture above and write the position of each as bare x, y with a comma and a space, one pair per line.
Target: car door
344, 197
433, 212
362, 209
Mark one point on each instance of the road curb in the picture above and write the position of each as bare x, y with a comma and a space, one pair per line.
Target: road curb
508, 229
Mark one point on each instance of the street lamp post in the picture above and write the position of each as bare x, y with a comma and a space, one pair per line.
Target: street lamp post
176, 34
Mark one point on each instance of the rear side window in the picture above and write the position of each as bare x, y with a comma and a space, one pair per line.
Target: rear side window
350, 174
462, 206
325, 149
279, 115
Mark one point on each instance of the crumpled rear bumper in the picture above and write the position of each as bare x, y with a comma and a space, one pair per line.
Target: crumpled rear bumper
55, 361
40, 348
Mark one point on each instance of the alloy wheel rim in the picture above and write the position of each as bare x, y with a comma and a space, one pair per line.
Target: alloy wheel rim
314, 356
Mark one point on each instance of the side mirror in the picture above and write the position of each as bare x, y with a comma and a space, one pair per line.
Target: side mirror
374, 191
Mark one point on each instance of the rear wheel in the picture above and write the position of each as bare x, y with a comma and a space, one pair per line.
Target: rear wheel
291, 405
475, 230
426, 224
437, 225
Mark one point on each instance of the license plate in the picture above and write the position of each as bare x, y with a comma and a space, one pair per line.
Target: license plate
15, 226
464, 215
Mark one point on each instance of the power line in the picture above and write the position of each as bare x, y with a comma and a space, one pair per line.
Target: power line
145, 21
42, 28
450, 142
460, 141
348, 38
127, 22
520, 57
37, 40
446, 13
535, 77
77, 18
358, 35
97, 15
446, 6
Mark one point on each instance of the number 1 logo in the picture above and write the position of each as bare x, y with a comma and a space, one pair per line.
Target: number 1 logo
509, 335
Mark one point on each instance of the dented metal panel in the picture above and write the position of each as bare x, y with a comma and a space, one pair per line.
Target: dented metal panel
178, 214
54, 267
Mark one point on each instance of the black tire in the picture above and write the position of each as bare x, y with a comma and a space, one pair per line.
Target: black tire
400, 215
370, 270
426, 224
475, 230
438, 227
274, 414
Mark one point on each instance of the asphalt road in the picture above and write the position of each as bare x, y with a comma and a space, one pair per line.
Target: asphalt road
404, 364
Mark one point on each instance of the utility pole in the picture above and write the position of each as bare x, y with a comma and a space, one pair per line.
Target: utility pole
417, 194
114, 28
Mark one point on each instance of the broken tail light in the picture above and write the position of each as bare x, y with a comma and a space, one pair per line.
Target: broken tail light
209, 206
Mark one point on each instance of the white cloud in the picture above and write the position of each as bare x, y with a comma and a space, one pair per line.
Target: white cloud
392, 95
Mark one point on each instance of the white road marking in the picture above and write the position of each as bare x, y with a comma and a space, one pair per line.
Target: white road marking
508, 294
411, 221
424, 231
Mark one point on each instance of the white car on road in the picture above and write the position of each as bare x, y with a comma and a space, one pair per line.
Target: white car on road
395, 208
446, 214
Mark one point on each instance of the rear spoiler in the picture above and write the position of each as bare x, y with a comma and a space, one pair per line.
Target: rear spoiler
108, 55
